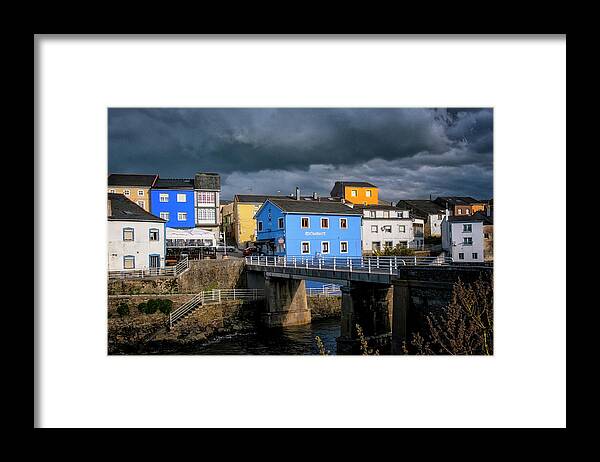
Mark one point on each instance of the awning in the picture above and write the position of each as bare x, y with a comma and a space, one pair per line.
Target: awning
264, 241
190, 233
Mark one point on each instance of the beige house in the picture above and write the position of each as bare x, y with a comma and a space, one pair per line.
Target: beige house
134, 187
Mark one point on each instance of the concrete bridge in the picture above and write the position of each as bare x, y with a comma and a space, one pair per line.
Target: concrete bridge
388, 297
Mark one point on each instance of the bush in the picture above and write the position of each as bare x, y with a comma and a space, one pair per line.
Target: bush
394, 251
166, 306
123, 310
142, 307
152, 306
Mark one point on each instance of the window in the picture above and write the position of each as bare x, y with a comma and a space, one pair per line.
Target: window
354, 193
163, 197
399, 214
206, 197
403, 244
207, 215
126, 192
368, 193
141, 192
129, 262
461, 256
128, 234
467, 241
343, 246
142, 204
111, 190
181, 198
487, 235
305, 222
474, 254
181, 216
388, 244
387, 228
467, 228
153, 234
376, 245
164, 215
305, 247
467, 211
324, 247
401, 228
260, 227
280, 222
343, 223
325, 223
372, 213
374, 229
386, 214
459, 211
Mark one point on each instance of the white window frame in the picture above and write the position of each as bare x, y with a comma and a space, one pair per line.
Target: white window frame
129, 228
324, 227
150, 234
375, 229
475, 255
305, 227
353, 193
328, 247
470, 228
280, 222
141, 192
111, 191
302, 246
142, 205
163, 197
401, 228
341, 249
343, 220
259, 226
165, 215
368, 193
384, 228
466, 242
179, 214
372, 213
126, 192
181, 197
461, 257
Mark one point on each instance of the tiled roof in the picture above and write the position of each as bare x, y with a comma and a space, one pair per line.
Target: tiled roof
123, 209
332, 208
477, 216
257, 198
426, 207
174, 183
338, 187
131, 179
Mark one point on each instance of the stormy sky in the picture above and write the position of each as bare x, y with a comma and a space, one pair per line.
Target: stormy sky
408, 153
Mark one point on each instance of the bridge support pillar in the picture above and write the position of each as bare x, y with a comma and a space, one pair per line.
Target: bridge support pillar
370, 306
402, 300
286, 303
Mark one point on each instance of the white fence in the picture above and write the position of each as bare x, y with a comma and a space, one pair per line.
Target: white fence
181, 266
387, 265
325, 290
214, 296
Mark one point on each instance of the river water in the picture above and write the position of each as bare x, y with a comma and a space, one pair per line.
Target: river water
297, 340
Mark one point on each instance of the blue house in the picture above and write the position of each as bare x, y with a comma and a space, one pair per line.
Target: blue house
301, 228
173, 200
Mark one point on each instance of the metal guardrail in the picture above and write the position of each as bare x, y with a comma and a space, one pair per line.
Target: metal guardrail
325, 290
213, 296
181, 267
380, 265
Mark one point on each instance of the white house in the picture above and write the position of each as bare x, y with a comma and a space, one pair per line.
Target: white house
388, 226
136, 238
463, 237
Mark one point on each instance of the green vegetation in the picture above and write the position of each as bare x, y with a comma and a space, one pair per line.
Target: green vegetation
142, 307
394, 251
123, 309
166, 306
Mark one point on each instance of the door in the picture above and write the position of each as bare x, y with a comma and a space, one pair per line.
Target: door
154, 261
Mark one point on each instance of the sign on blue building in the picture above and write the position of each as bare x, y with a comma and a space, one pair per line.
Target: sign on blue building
298, 228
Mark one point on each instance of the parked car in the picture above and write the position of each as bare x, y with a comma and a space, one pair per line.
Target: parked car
221, 247
250, 251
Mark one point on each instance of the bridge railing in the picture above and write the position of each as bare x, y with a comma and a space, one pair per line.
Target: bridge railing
324, 291
181, 267
368, 264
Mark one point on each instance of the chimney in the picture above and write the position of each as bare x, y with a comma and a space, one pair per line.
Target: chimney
488, 210
297, 193
315, 196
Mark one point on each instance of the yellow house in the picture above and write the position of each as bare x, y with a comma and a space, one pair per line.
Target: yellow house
135, 187
243, 222
357, 192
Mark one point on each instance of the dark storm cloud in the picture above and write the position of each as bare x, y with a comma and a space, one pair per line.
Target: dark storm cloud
407, 152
